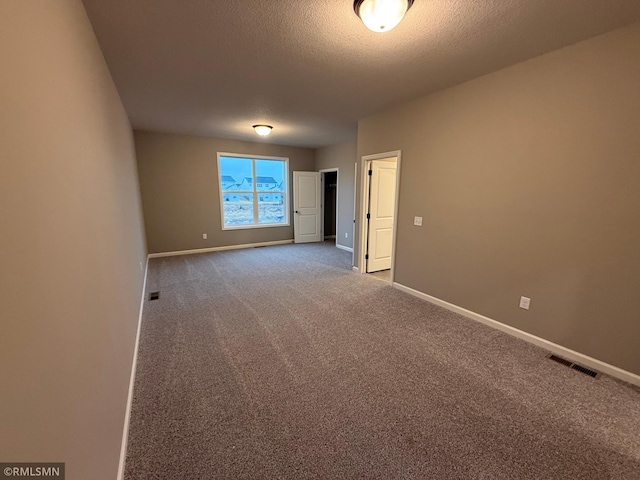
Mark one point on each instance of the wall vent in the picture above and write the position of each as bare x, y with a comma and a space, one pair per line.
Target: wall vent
154, 296
574, 366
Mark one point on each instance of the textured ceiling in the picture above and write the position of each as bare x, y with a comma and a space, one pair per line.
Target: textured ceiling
311, 68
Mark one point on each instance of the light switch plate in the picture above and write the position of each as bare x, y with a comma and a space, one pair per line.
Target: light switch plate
417, 221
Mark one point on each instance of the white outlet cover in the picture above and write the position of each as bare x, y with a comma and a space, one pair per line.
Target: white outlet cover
346, 234
417, 221
525, 302
204, 236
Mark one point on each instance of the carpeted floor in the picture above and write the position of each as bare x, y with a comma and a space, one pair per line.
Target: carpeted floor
280, 362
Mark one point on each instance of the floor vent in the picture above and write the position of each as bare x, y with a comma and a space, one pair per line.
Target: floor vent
564, 362
154, 296
586, 371
574, 366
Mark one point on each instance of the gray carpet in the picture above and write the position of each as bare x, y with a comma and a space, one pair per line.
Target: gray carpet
280, 362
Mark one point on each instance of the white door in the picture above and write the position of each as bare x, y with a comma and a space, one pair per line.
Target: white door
306, 207
382, 205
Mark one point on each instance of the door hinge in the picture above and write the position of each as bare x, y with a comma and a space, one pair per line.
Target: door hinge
368, 216
366, 257
370, 172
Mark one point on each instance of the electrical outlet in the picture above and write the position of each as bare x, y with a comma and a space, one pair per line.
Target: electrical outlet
417, 221
204, 236
525, 302
140, 266
346, 234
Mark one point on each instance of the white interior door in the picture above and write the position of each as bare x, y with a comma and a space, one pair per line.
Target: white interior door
306, 207
382, 204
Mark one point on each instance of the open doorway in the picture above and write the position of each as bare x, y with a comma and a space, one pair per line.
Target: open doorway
329, 188
378, 228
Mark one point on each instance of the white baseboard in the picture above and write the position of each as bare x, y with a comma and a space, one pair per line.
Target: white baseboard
565, 352
355, 269
218, 249
342, 247
132, 378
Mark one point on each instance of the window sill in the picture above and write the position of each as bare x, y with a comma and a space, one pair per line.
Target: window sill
245, 227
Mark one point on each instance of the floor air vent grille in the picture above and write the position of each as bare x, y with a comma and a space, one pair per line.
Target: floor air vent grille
574, 366
154, 296
564, 362
586, 371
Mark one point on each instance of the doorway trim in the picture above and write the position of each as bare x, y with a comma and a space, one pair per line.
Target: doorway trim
364, 207
322, 187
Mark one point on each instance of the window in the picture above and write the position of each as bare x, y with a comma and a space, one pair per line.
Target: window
253, 204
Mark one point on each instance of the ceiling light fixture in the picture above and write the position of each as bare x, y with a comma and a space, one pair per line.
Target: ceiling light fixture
381, 15
262, 130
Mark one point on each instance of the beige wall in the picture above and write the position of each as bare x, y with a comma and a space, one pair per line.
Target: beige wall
180, 194
528, 180
71, 243
342, 156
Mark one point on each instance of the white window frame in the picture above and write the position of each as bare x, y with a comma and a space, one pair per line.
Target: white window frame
254, 192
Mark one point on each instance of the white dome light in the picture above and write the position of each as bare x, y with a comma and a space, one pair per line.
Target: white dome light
381, 15
262, 130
